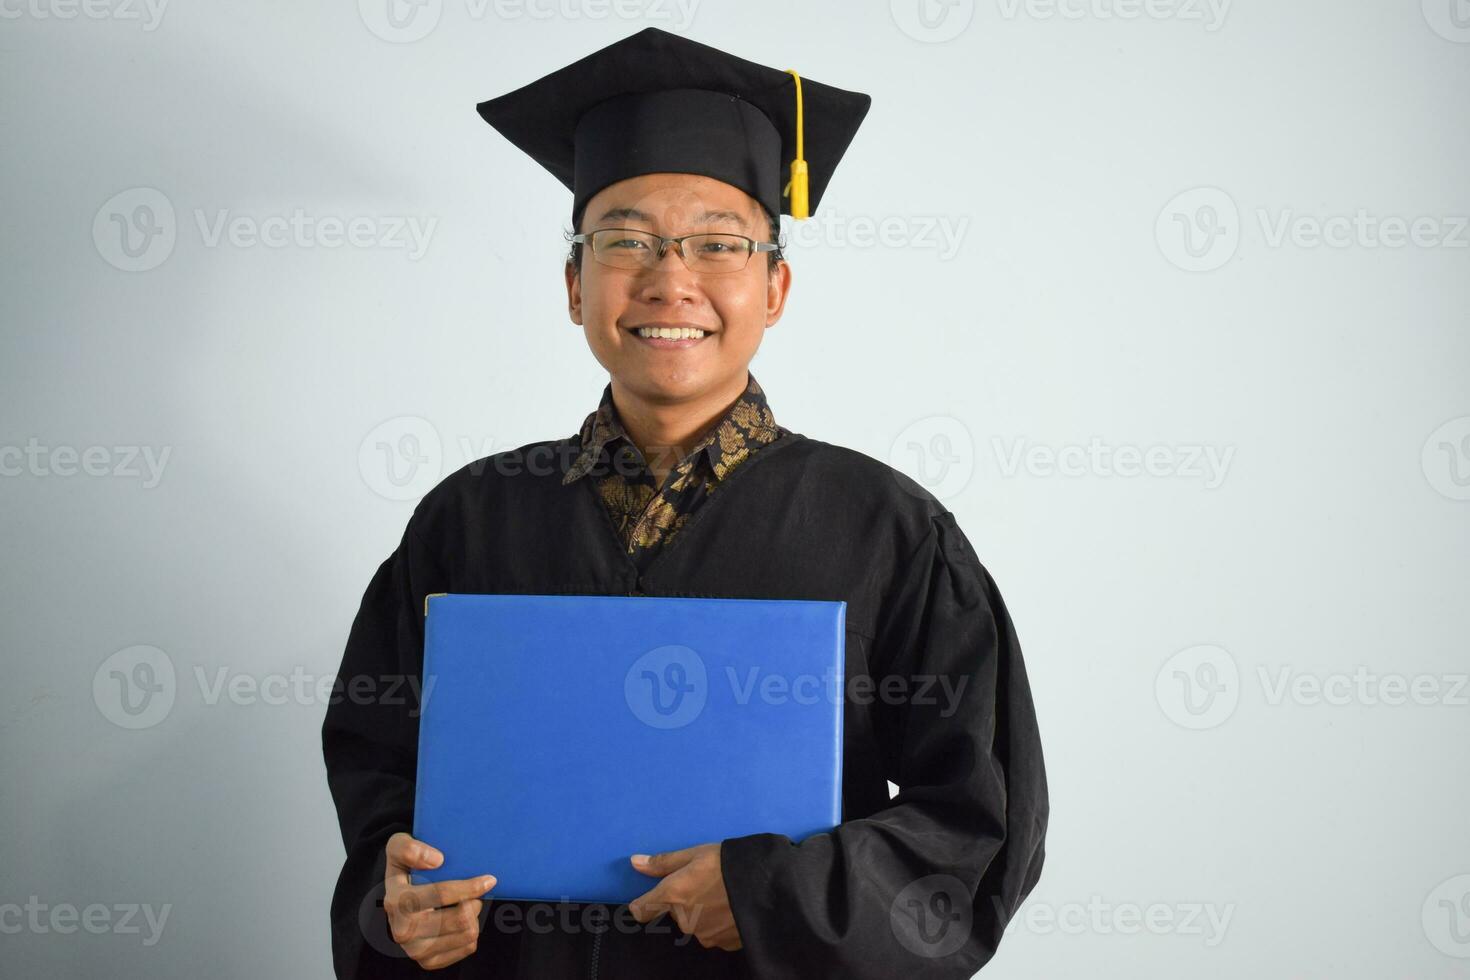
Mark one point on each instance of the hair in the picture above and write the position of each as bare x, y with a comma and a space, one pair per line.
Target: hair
574, 257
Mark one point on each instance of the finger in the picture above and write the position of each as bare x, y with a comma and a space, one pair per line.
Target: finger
727, 938
662, 864
440, 894
650, 903
436, 961
405, 851
647, 907
415, 913
457, 923
440, 952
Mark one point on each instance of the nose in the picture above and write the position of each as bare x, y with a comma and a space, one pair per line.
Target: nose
668, 279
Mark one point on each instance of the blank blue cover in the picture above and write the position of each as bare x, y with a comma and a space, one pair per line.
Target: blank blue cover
562, 734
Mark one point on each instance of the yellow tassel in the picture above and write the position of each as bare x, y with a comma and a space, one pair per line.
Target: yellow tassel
796, 187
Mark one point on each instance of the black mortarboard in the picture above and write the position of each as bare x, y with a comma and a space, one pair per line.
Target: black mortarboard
657, 102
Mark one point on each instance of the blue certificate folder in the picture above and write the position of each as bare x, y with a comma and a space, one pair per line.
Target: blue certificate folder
561, 734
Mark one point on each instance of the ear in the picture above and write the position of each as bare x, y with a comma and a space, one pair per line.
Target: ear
778, 287
574, 293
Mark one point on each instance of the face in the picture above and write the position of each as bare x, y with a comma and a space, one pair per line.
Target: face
733, 309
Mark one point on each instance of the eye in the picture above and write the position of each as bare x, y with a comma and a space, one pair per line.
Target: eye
721, 246
628, 244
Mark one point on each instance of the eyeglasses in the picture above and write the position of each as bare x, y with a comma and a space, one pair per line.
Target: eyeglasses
707, 253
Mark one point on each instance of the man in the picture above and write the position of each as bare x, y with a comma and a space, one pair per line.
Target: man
682, 483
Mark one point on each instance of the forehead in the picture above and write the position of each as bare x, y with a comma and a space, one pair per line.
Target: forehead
672, 200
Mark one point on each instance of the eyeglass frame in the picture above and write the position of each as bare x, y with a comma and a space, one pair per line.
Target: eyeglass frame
585, 238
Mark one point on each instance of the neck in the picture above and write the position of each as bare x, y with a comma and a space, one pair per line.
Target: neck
665, 431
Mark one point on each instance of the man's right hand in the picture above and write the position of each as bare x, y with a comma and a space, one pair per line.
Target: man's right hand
437, 924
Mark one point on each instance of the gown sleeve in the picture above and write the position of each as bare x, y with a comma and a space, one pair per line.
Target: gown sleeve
925, 887
370, 746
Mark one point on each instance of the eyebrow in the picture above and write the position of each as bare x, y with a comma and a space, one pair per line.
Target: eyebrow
633, 214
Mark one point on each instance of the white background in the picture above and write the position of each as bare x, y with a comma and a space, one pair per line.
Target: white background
1068, 311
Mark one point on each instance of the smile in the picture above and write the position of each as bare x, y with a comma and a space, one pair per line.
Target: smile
669, 337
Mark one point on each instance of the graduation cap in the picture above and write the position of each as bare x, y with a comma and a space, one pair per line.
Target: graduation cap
656, 102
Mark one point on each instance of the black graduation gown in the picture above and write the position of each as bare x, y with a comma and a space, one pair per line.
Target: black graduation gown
920, 885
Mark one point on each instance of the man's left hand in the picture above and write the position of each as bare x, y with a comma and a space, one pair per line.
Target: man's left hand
693, 888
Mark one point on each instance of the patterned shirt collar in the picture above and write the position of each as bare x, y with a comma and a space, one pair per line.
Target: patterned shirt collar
749, 423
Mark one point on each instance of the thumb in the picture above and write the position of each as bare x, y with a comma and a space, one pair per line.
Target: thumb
661, 864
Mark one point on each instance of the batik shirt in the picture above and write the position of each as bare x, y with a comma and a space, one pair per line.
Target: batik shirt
646, 517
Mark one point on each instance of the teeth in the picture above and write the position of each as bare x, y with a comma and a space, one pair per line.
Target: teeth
671, 333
